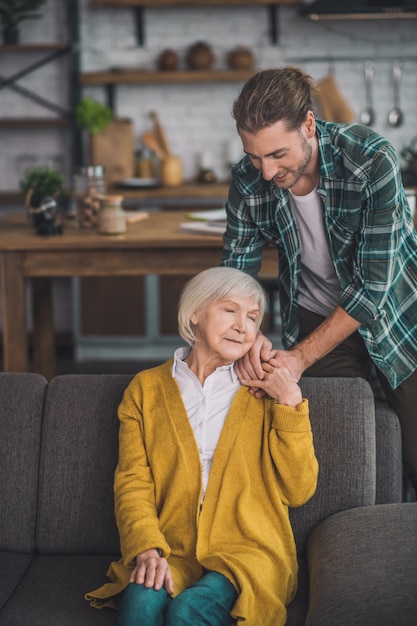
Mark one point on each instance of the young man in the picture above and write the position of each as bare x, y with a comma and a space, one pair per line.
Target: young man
330, 198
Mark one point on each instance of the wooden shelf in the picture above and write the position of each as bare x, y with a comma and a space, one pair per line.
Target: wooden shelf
143, 77
12, 197
173, 3
27, 122
185, 191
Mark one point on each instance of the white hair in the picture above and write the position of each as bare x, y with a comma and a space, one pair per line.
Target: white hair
210, 286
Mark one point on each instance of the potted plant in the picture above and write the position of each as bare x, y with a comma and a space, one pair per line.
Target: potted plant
12, 12
43, 191
93, 116
111, 140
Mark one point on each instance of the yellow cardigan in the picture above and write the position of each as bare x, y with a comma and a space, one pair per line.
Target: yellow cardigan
264, 463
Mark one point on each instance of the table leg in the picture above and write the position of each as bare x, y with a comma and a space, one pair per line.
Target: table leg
15, 345
43, 328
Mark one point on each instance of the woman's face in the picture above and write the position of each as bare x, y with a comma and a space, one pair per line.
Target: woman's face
226, 329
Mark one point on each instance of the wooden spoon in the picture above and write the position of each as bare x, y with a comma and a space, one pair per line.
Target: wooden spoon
150, 141
159, 133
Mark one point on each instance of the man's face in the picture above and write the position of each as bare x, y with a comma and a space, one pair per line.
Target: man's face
283, 156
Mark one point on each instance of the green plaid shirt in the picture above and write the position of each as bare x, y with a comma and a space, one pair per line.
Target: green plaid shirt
371, 239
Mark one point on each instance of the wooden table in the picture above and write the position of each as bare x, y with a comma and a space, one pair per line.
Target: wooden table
154, 246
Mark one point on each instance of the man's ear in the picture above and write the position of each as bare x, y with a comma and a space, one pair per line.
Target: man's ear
310, 124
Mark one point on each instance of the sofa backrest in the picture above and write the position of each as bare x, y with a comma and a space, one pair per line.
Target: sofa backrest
78, 459
21, 404
80, 444
342, 414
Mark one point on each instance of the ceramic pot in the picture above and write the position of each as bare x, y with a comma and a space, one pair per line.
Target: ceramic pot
168, 60
240, 58
199, 56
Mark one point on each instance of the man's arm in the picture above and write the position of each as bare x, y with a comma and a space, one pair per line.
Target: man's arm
335, 329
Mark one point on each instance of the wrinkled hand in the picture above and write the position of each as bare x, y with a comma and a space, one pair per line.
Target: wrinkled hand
278, 383
152, 570
250, 366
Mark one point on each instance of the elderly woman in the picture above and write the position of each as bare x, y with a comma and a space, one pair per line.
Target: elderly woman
206, 474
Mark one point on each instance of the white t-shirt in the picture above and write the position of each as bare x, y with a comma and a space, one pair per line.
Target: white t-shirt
318, 288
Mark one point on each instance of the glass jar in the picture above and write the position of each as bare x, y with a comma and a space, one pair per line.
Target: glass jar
146, 164
89, 190
111, 217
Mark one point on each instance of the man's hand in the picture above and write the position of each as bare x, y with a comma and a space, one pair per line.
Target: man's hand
278, 384
152, 570
292, 360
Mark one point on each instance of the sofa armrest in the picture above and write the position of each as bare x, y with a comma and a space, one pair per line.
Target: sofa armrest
363, 567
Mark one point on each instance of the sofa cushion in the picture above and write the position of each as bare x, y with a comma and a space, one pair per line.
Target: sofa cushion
13, 566
52, 593
342, 415
78, 459
21, 404
297, 610
363, 567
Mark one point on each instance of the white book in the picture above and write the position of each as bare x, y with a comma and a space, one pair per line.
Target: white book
203, 228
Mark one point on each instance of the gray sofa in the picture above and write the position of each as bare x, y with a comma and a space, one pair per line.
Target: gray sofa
357, 542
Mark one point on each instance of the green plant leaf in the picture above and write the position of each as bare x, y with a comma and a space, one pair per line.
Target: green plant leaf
43, 181
92, 115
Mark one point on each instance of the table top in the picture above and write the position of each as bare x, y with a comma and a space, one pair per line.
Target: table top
160, 229
154, 245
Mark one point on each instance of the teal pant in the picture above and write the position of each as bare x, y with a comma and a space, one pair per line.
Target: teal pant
207, 603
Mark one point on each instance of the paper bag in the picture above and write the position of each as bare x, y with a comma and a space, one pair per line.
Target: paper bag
114, 148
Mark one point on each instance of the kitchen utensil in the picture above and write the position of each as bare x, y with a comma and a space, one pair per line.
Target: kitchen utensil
171, 171
333, 105
160, 133
367, 116
150, 141
395, 115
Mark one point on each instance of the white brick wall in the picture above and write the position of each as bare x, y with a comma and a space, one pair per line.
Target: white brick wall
197, 117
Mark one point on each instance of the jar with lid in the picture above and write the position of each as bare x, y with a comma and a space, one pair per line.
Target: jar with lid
111, 217
146, 164
89, 190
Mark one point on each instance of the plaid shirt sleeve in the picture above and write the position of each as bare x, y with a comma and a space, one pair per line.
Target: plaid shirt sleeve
243, 241
378, 239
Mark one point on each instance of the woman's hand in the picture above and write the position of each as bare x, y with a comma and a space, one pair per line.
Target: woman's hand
152, 570
278, 383
250, 367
